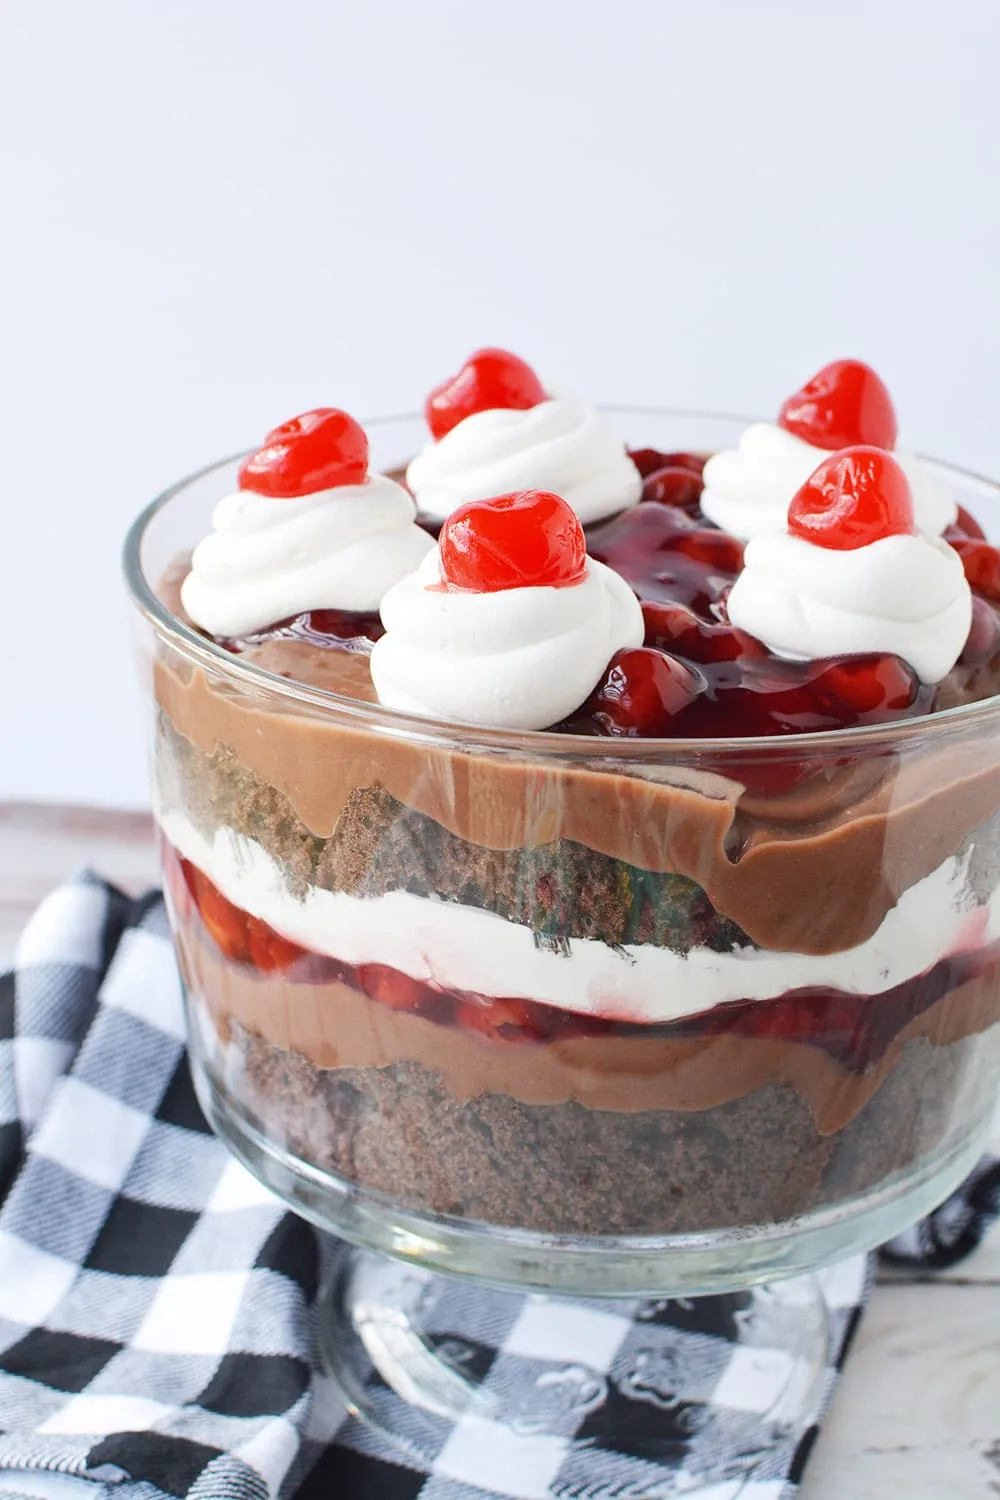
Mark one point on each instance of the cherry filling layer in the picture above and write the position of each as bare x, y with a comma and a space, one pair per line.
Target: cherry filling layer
855, 1030
696, 675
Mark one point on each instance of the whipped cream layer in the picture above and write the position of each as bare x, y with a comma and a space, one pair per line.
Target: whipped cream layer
748, 490
465, 948
560, 445
518, 658
267, 559
907, 595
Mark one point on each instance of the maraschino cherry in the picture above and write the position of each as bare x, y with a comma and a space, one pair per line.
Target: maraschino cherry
489, 379
856, 497
846, 403
529, 539
318, 450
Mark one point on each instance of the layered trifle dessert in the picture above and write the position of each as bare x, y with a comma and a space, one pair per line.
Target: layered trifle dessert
584, 838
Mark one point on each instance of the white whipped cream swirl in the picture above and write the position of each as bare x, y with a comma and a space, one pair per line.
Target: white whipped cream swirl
907, 595
520, 658
559, 445
267, 558
748, 490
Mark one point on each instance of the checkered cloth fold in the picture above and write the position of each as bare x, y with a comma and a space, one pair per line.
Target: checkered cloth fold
157, 1305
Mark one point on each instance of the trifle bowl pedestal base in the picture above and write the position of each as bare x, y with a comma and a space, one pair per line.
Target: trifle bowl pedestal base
486, 1385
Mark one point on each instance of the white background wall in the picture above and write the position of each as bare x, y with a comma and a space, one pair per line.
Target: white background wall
215, 213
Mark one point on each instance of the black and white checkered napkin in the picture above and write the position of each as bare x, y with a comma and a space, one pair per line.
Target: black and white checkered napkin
156, 1303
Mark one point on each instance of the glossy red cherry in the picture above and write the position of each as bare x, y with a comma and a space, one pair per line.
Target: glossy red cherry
802, 1015
677, 629
765, 696
390, 987
673, 485
634, 535
529, 539
983, 640
489, 379
967, 524
225, 922
982, 566
648, 460
718, 550
268, 951
857, 687
319, 450
858, 496
846, 403
642, 692
503, 1020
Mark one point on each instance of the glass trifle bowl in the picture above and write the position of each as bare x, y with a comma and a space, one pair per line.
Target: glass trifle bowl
580, 1017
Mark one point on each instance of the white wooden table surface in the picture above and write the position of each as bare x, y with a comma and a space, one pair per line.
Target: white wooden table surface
917, 1413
